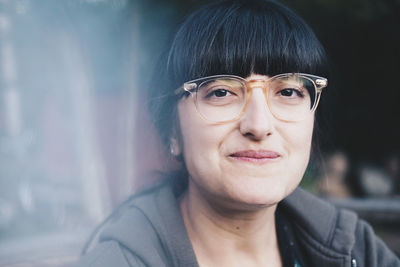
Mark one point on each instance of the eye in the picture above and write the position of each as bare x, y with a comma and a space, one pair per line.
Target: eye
218, 93
291, 92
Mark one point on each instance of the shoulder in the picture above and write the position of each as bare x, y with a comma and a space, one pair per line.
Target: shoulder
370, 250
321, 223
135, 216
109, 253
137, 231
146, 230
328, 232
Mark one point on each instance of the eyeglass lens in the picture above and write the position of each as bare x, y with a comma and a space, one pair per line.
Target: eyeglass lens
290, 97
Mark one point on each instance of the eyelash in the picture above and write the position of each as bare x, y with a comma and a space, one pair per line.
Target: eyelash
213, 92
299, 93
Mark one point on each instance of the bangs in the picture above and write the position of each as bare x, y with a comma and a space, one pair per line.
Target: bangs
244, 38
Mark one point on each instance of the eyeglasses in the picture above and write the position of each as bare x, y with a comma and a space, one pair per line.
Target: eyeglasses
290, 97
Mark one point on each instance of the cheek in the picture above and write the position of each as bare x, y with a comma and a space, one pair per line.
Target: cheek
297, 142
202, 145
192, 135
197, 138
298, 136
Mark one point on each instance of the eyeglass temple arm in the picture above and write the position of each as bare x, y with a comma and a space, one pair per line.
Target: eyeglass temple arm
186, 87
321, 84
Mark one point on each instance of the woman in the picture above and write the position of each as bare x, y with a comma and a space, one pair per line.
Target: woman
235, 104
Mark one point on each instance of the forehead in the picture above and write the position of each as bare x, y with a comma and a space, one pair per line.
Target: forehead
262, 78
257, 77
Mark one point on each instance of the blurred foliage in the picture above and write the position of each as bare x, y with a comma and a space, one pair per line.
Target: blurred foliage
309, 181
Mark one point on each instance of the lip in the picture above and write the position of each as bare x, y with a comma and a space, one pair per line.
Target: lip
256, 156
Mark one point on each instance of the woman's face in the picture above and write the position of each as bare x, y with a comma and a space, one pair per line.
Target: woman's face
256, 160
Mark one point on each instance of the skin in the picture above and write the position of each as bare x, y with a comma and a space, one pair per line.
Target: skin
231, 199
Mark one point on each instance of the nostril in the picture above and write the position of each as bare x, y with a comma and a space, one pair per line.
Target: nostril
256, 136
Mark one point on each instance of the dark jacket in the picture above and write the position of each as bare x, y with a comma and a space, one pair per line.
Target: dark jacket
148, 230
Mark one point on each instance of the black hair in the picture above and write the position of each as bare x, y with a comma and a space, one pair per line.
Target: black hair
237, 37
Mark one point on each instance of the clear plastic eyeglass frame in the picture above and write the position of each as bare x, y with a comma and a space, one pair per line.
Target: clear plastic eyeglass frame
192, 86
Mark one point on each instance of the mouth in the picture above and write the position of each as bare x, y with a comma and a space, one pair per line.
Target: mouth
261, 156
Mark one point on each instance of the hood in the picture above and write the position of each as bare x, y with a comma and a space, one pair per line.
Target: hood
156, 236
324, 230
326, 233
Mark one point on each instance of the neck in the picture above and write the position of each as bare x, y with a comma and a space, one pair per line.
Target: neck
224, 236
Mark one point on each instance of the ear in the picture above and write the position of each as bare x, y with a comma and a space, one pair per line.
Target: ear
174, 147
175, 140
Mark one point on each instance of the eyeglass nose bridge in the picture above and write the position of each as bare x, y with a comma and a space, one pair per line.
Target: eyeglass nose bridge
256, 83
250, 86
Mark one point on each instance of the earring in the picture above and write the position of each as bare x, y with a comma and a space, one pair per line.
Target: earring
171, 149
174, 147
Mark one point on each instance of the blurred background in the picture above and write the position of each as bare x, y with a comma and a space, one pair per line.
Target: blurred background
75, 137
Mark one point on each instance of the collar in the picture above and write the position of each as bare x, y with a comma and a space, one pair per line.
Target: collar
324, 231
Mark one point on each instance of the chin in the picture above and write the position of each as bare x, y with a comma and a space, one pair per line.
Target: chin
266, 199
255, 196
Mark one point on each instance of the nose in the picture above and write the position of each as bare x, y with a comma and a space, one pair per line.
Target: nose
257, 122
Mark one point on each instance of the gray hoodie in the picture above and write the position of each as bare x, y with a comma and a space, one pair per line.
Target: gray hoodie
148, 230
